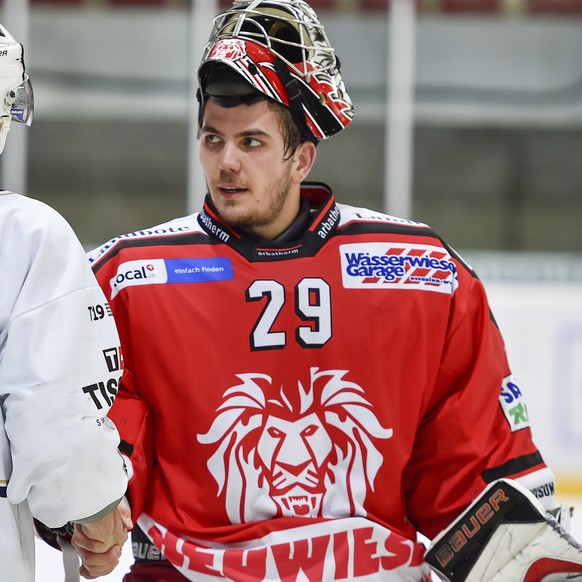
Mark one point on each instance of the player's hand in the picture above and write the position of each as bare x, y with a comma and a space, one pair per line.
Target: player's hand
99, 543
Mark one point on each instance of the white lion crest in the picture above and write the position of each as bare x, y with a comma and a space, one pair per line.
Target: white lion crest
306, 452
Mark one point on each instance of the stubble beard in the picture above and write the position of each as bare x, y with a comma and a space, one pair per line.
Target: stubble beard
254, 221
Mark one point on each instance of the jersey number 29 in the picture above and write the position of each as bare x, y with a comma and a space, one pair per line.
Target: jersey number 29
312, 305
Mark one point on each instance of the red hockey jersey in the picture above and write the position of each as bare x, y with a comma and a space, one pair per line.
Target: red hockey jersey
305, 406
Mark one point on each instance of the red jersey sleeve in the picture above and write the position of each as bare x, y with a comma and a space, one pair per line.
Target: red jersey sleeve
467, 438
133, 420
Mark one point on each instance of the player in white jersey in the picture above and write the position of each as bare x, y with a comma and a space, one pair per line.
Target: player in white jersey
59, 367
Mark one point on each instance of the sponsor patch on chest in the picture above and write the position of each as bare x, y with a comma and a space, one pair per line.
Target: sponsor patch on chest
160, 271
388, 266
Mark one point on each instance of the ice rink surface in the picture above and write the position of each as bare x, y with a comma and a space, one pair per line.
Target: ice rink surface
49, 566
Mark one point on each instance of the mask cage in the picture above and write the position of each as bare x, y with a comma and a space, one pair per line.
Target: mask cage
291, 31
20, 101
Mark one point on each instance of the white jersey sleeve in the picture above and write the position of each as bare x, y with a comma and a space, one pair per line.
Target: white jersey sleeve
60, 365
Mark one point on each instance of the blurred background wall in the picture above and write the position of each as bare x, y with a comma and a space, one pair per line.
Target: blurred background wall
497, 143
495, 139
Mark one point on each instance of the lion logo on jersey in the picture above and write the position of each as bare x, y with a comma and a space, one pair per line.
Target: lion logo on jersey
305, 452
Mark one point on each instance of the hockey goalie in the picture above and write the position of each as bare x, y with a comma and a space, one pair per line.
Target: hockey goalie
506, 535
309, 384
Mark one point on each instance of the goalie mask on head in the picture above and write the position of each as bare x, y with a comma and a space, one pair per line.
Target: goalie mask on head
276, 49
15, 87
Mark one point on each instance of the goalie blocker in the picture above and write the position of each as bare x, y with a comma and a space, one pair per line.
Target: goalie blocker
506, 535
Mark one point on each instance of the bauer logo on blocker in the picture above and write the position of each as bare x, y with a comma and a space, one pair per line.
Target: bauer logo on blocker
142, 272
405, 266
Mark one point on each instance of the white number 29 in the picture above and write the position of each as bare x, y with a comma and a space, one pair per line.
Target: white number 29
312, 305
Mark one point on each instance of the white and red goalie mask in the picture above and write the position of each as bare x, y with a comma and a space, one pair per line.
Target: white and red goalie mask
280, 49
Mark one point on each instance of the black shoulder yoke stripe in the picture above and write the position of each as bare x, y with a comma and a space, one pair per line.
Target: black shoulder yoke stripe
157, 241
368, 227
513, 466
372, 226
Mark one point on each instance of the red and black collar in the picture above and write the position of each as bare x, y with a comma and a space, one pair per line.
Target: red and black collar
315, 223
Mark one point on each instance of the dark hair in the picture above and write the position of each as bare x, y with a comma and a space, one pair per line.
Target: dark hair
292, 137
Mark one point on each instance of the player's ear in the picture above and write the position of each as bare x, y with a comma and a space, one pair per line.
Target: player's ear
304, 158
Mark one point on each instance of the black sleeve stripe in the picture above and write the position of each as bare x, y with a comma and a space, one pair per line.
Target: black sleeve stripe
179, 239
458, 258
512, 467
469, 270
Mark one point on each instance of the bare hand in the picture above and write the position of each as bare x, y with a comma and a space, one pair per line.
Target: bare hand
99, 543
